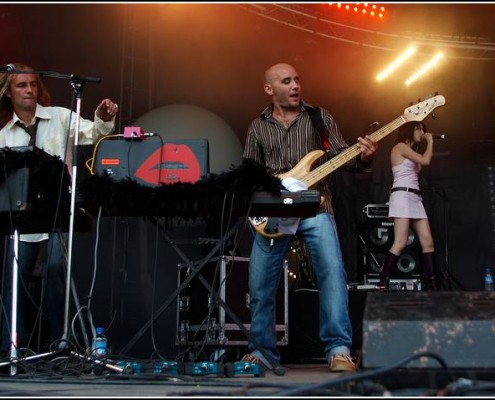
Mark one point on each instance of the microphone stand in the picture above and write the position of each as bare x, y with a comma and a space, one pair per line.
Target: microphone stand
78, 85
77, 82
446, 275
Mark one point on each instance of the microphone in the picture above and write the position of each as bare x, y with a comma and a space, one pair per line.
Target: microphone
7, 68
439, 136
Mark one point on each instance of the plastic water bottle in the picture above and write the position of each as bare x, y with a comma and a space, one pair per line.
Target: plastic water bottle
488, 279
100, 349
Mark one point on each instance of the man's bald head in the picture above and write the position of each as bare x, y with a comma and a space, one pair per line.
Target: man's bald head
276, 71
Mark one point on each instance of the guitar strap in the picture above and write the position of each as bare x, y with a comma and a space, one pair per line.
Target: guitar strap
317, 121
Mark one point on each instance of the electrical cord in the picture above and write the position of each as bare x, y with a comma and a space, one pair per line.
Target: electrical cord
357, 376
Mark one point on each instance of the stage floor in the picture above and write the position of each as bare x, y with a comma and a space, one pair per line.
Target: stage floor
459, 361
297, 380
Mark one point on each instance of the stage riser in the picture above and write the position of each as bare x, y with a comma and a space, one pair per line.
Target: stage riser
457, 326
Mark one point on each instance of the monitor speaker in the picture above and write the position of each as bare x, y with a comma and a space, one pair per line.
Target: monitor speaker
377, 236
456, 326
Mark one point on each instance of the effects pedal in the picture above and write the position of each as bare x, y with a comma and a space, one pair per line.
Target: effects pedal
166, 368
203, 368
239, 368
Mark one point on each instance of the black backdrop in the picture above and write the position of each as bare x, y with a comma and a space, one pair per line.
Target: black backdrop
225, 42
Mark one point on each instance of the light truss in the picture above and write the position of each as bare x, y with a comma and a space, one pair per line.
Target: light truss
299, 16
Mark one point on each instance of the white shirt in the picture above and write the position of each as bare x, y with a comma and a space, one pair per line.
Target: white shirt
51, 137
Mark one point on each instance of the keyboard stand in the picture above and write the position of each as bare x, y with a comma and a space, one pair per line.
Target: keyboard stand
196, 273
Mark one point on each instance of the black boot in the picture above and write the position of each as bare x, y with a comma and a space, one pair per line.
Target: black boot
429, 271
388, 265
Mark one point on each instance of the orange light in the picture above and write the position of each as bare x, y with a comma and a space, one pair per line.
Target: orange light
362, 8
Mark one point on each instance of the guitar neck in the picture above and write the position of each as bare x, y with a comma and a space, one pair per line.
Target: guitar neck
340, 159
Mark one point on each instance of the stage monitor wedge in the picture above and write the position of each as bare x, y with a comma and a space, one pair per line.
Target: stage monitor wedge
458, 326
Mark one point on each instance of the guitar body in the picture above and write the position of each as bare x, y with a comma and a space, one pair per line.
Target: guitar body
303, 167
267, 226
303, 170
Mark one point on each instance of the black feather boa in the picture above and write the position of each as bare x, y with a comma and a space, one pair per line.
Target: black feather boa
47, 173
185, 201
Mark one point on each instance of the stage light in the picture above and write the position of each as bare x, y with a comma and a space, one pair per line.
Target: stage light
396, 64
425, 68
361, 8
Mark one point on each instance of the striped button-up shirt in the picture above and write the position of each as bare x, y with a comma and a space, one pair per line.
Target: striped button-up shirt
280, 149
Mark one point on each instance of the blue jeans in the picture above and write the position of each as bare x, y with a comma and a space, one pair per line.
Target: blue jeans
53, 285
265, 267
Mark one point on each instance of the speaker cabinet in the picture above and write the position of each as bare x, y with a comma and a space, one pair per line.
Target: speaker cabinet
377, 236
455, 325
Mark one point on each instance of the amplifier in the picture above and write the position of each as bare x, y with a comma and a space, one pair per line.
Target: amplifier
394, 284
376, 211
153, 162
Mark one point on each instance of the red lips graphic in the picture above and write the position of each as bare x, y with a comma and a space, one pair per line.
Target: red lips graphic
169, 164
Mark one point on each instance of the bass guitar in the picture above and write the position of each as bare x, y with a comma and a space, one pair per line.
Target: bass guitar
303, 170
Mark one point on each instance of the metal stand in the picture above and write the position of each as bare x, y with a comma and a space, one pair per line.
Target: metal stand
78, 86
13, 306
278, 369
99, 363
367, 252
446, 274
14, 359
77, 83
20, 206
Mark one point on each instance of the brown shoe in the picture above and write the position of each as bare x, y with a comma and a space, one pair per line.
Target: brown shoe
342, 363
252, 359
